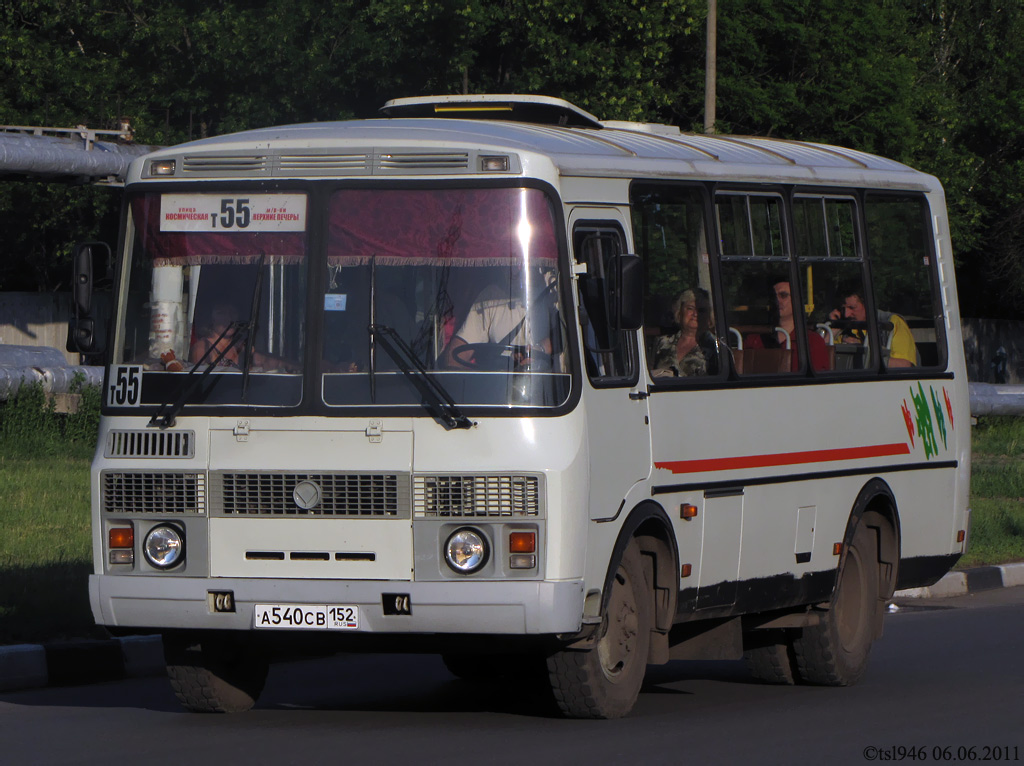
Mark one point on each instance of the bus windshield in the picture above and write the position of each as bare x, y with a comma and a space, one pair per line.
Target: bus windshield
467, 279
458, 285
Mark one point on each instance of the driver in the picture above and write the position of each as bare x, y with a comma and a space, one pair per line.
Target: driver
500, 318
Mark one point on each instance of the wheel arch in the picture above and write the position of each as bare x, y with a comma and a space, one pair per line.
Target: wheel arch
649, 524
876, 506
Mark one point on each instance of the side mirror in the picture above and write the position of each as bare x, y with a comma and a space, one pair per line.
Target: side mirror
628, 292
90, 259
81, 335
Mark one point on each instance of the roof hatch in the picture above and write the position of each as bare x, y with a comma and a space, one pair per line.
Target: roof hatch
542, 110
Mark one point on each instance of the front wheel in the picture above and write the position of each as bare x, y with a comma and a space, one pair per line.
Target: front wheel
835, 652
213, 674
604, 680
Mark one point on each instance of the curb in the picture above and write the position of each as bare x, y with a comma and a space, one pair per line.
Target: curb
31, 666
969, 581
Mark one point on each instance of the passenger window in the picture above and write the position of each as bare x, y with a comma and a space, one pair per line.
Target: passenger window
609, 354
761, 298
680, 331
899, 241
831, 266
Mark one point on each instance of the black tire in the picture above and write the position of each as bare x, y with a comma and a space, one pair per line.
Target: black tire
774, 663
215, 675
835, 652
604, 681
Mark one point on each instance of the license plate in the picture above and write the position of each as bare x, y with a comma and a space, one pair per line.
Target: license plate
306, 617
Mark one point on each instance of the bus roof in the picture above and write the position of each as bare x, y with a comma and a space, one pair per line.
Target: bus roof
451, 145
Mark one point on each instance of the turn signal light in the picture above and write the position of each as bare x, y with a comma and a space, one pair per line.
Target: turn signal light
688, 511
837, 548
687, 570
121, 537
522, 542
961, 536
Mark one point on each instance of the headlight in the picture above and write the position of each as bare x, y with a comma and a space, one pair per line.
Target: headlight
466, 550
164, 547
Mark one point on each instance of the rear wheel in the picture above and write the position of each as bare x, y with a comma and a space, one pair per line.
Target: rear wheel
773, 663
604, 680
215, 675
835, 652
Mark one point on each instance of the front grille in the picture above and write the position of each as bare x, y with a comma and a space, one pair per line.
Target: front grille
348, 495
127, 492
476, 496
151, 444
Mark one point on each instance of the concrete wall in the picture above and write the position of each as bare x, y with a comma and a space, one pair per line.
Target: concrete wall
36, 319
983, 339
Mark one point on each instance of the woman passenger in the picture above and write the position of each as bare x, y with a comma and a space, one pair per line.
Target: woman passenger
693, 350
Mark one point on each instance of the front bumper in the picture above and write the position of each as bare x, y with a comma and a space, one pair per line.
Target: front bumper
499, 608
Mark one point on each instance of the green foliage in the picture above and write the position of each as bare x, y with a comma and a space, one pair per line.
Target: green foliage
936, 84
30, 426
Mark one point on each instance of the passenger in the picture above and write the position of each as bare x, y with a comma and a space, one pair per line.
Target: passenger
899, 340
693, 350
220, 336
217, 337
785, 336
500, 334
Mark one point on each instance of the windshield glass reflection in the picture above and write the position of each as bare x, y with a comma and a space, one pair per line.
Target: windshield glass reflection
467, 278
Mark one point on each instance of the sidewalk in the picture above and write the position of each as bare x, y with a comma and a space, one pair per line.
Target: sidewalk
30, 666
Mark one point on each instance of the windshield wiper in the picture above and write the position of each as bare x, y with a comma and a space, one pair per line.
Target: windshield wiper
438, 402
164, 417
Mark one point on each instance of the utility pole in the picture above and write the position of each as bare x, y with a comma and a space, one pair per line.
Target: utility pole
711, 67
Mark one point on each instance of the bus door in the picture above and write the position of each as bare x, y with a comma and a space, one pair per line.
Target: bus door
618, 434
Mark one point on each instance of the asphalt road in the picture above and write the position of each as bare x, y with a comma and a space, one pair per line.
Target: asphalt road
948, 673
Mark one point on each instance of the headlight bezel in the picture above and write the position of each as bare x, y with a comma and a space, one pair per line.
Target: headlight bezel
484, 553
175, 532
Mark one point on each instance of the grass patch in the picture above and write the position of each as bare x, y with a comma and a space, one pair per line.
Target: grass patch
997, 493
45, 542
997, 533
45, 549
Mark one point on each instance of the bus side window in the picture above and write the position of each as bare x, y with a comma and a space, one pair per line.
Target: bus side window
760, 297
680, 329
609, 354
904, 281
831, 265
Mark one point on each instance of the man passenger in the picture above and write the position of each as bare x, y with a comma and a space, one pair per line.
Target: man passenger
899, 340
782, 297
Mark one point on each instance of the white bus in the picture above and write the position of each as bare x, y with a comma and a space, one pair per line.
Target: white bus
491, 378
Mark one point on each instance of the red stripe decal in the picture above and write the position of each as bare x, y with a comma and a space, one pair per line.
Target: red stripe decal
785, 458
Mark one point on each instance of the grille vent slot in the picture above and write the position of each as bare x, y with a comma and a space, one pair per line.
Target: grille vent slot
453, 495
153, 492
151, 444
213, 163
343, 495
423, 160
313, 164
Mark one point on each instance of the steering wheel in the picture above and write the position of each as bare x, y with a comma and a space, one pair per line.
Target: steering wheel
501, 357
